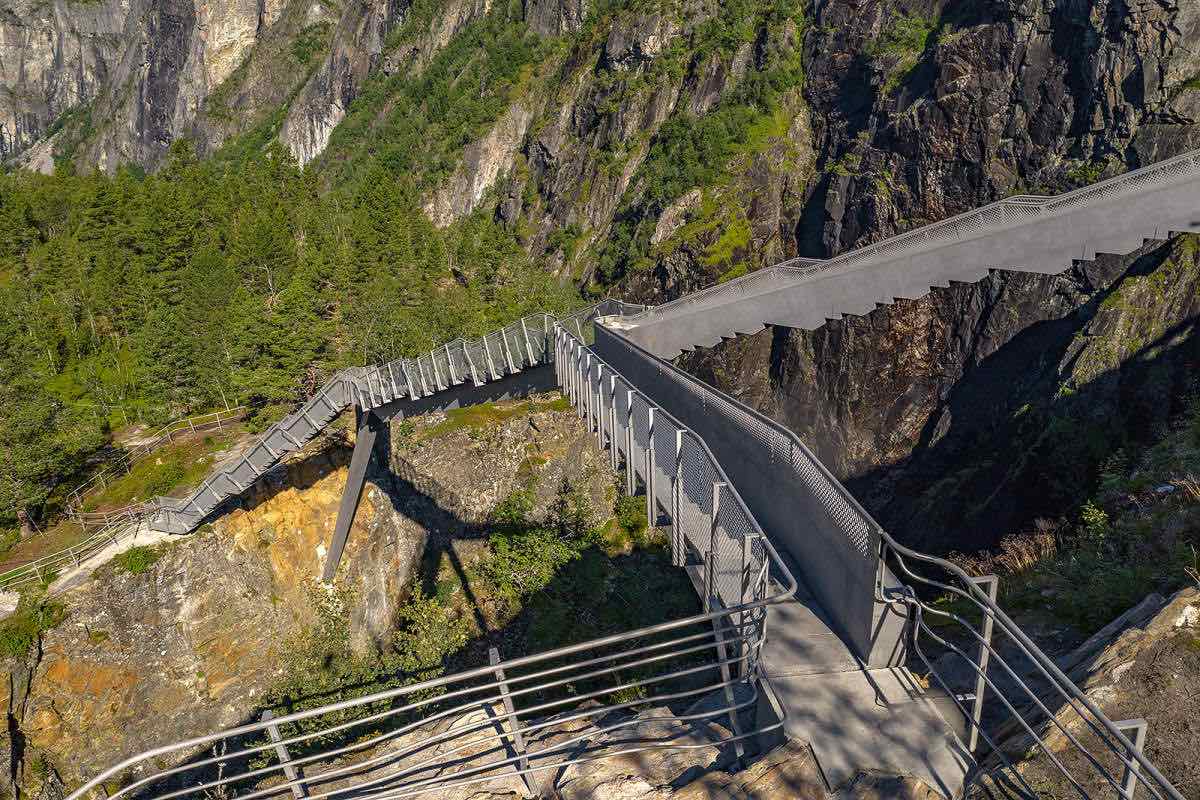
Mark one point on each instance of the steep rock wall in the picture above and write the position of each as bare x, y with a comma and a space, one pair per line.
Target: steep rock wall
188, 645
963, 415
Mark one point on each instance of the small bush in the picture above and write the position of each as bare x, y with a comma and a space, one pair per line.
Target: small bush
22, 629
166, 479
136, 560
631, 513
1095, 521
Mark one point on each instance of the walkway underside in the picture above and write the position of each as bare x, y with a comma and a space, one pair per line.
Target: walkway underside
1047, 242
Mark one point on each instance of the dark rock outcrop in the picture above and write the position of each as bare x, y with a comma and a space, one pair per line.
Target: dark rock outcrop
965, 414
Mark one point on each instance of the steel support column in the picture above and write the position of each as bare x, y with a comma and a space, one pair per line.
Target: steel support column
369, 425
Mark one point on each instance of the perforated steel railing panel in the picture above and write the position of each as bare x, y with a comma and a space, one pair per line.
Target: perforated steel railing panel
665, 434
621, 401
641, 433
697, 476
797, 502
737, 553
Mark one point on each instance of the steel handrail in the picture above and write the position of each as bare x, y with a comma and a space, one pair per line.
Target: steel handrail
128, 458
792, 268
1046, 665
1058, 678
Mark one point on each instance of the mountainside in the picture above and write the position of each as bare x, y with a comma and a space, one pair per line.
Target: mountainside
643, 148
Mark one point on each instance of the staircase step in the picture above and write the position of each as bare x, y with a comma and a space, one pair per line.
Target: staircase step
878, 719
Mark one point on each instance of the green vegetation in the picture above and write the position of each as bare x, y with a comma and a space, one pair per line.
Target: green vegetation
312, 40
538, 585
414, 129
137, 560
159, 295
1139, 533
21, 630
1085, 174
697, 152
486, 415
182, 464
904, 41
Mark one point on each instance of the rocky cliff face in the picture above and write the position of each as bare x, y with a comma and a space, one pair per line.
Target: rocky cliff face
117, 82
191, 643
979, 407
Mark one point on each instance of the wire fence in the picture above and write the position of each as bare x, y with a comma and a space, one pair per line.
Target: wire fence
126, 458
44, 570
529, 719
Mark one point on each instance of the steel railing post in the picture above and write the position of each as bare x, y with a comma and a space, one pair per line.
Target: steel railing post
580, 405
285, 760
413, 392
599, 405
710, 570
513, 724
991, 584
612, 422
528, 346
1129, 780
588, 394
715, 517
491, 363
651, 509
471, 365
630, 477
677, 548
512, 366
450, 366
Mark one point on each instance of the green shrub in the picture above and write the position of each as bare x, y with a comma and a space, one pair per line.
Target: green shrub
137, 560
525, 562
165, 479
631, 513
905, 40
22, 629
1095, 521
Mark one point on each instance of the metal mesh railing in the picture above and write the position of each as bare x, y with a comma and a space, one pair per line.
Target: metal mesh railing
1036, 710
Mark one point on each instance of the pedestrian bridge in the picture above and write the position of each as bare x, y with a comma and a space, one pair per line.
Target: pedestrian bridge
816, 625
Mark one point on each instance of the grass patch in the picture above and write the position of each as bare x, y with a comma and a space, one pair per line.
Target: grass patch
487, 415
22, 629
905, 40
137, 560
182, 464
540, 584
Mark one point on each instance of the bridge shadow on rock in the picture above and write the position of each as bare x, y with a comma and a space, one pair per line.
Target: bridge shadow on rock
1023, 433
589, 595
